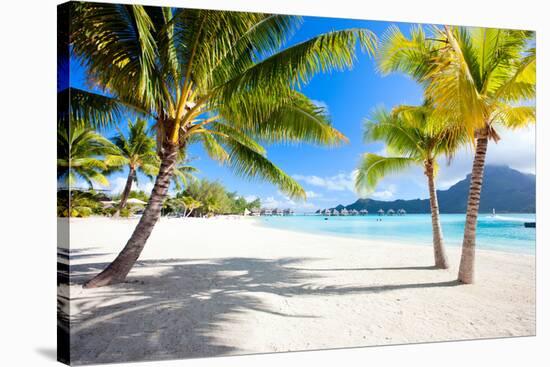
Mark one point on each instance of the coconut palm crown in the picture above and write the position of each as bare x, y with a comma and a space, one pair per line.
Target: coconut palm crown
217, 78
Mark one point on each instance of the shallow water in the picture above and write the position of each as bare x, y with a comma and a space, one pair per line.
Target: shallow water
503, 232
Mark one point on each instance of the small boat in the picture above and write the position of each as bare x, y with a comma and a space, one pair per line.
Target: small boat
530, 224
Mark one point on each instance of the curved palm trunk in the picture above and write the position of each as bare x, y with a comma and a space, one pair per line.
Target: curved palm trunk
466, 269
440, 257
117, 271
127, 189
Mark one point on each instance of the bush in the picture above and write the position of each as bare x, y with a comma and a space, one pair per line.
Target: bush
125, 212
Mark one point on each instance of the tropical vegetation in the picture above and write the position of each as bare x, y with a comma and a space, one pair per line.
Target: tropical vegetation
412, 136
221, 79
80, 155
483, 77
137, 153
213, 198
231, 82
78, 203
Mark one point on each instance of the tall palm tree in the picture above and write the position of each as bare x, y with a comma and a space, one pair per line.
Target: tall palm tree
137, 152
412, 137
485, 78
482, 77
80, 152
218, 78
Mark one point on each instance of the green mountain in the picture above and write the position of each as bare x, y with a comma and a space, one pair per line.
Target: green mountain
504, 189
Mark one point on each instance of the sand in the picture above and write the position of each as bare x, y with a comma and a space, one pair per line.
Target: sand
212, 287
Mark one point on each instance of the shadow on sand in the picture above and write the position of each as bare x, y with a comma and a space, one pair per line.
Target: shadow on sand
178, 311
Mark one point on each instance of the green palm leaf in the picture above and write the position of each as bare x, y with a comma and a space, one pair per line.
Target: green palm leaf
373, 168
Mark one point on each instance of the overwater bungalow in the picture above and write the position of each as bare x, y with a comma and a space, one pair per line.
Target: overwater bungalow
278, 211
267, 212
381, 212
326, 212
255, 212
363, 212
344, 211
401, 212
288, 212
335, 212
354, 212
391, 212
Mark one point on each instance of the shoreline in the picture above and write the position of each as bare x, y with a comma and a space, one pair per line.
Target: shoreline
390, 242
255, 221
215, 287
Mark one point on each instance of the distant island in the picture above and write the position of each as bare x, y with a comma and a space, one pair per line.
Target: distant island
504, 189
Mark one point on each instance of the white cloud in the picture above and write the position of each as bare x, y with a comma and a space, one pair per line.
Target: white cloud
516, 149
270, 202
117, 185
146, 186
312, 195
386, 194
284, 202
339, 182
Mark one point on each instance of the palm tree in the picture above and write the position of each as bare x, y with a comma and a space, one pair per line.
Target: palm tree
183, 172
485, 78
218, 78
190, 204
412, 137
482, 77
137, 152
76, 203
80, 152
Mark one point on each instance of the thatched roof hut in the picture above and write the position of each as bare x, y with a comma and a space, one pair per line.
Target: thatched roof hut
391, 212
363, 212
381, 212
344, 211
335, 212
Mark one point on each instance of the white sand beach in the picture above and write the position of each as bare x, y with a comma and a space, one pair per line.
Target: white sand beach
211, 287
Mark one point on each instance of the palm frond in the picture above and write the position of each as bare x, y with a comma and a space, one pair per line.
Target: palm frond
515, 117
90, 109
373, 168
248, 163
297, 64
412, 55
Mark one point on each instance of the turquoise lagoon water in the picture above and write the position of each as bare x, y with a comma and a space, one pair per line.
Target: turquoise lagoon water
503, 232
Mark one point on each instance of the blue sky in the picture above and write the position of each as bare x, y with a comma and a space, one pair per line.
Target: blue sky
327, 173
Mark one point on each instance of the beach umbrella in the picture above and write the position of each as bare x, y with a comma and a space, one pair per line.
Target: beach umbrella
246, 211
136, 201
